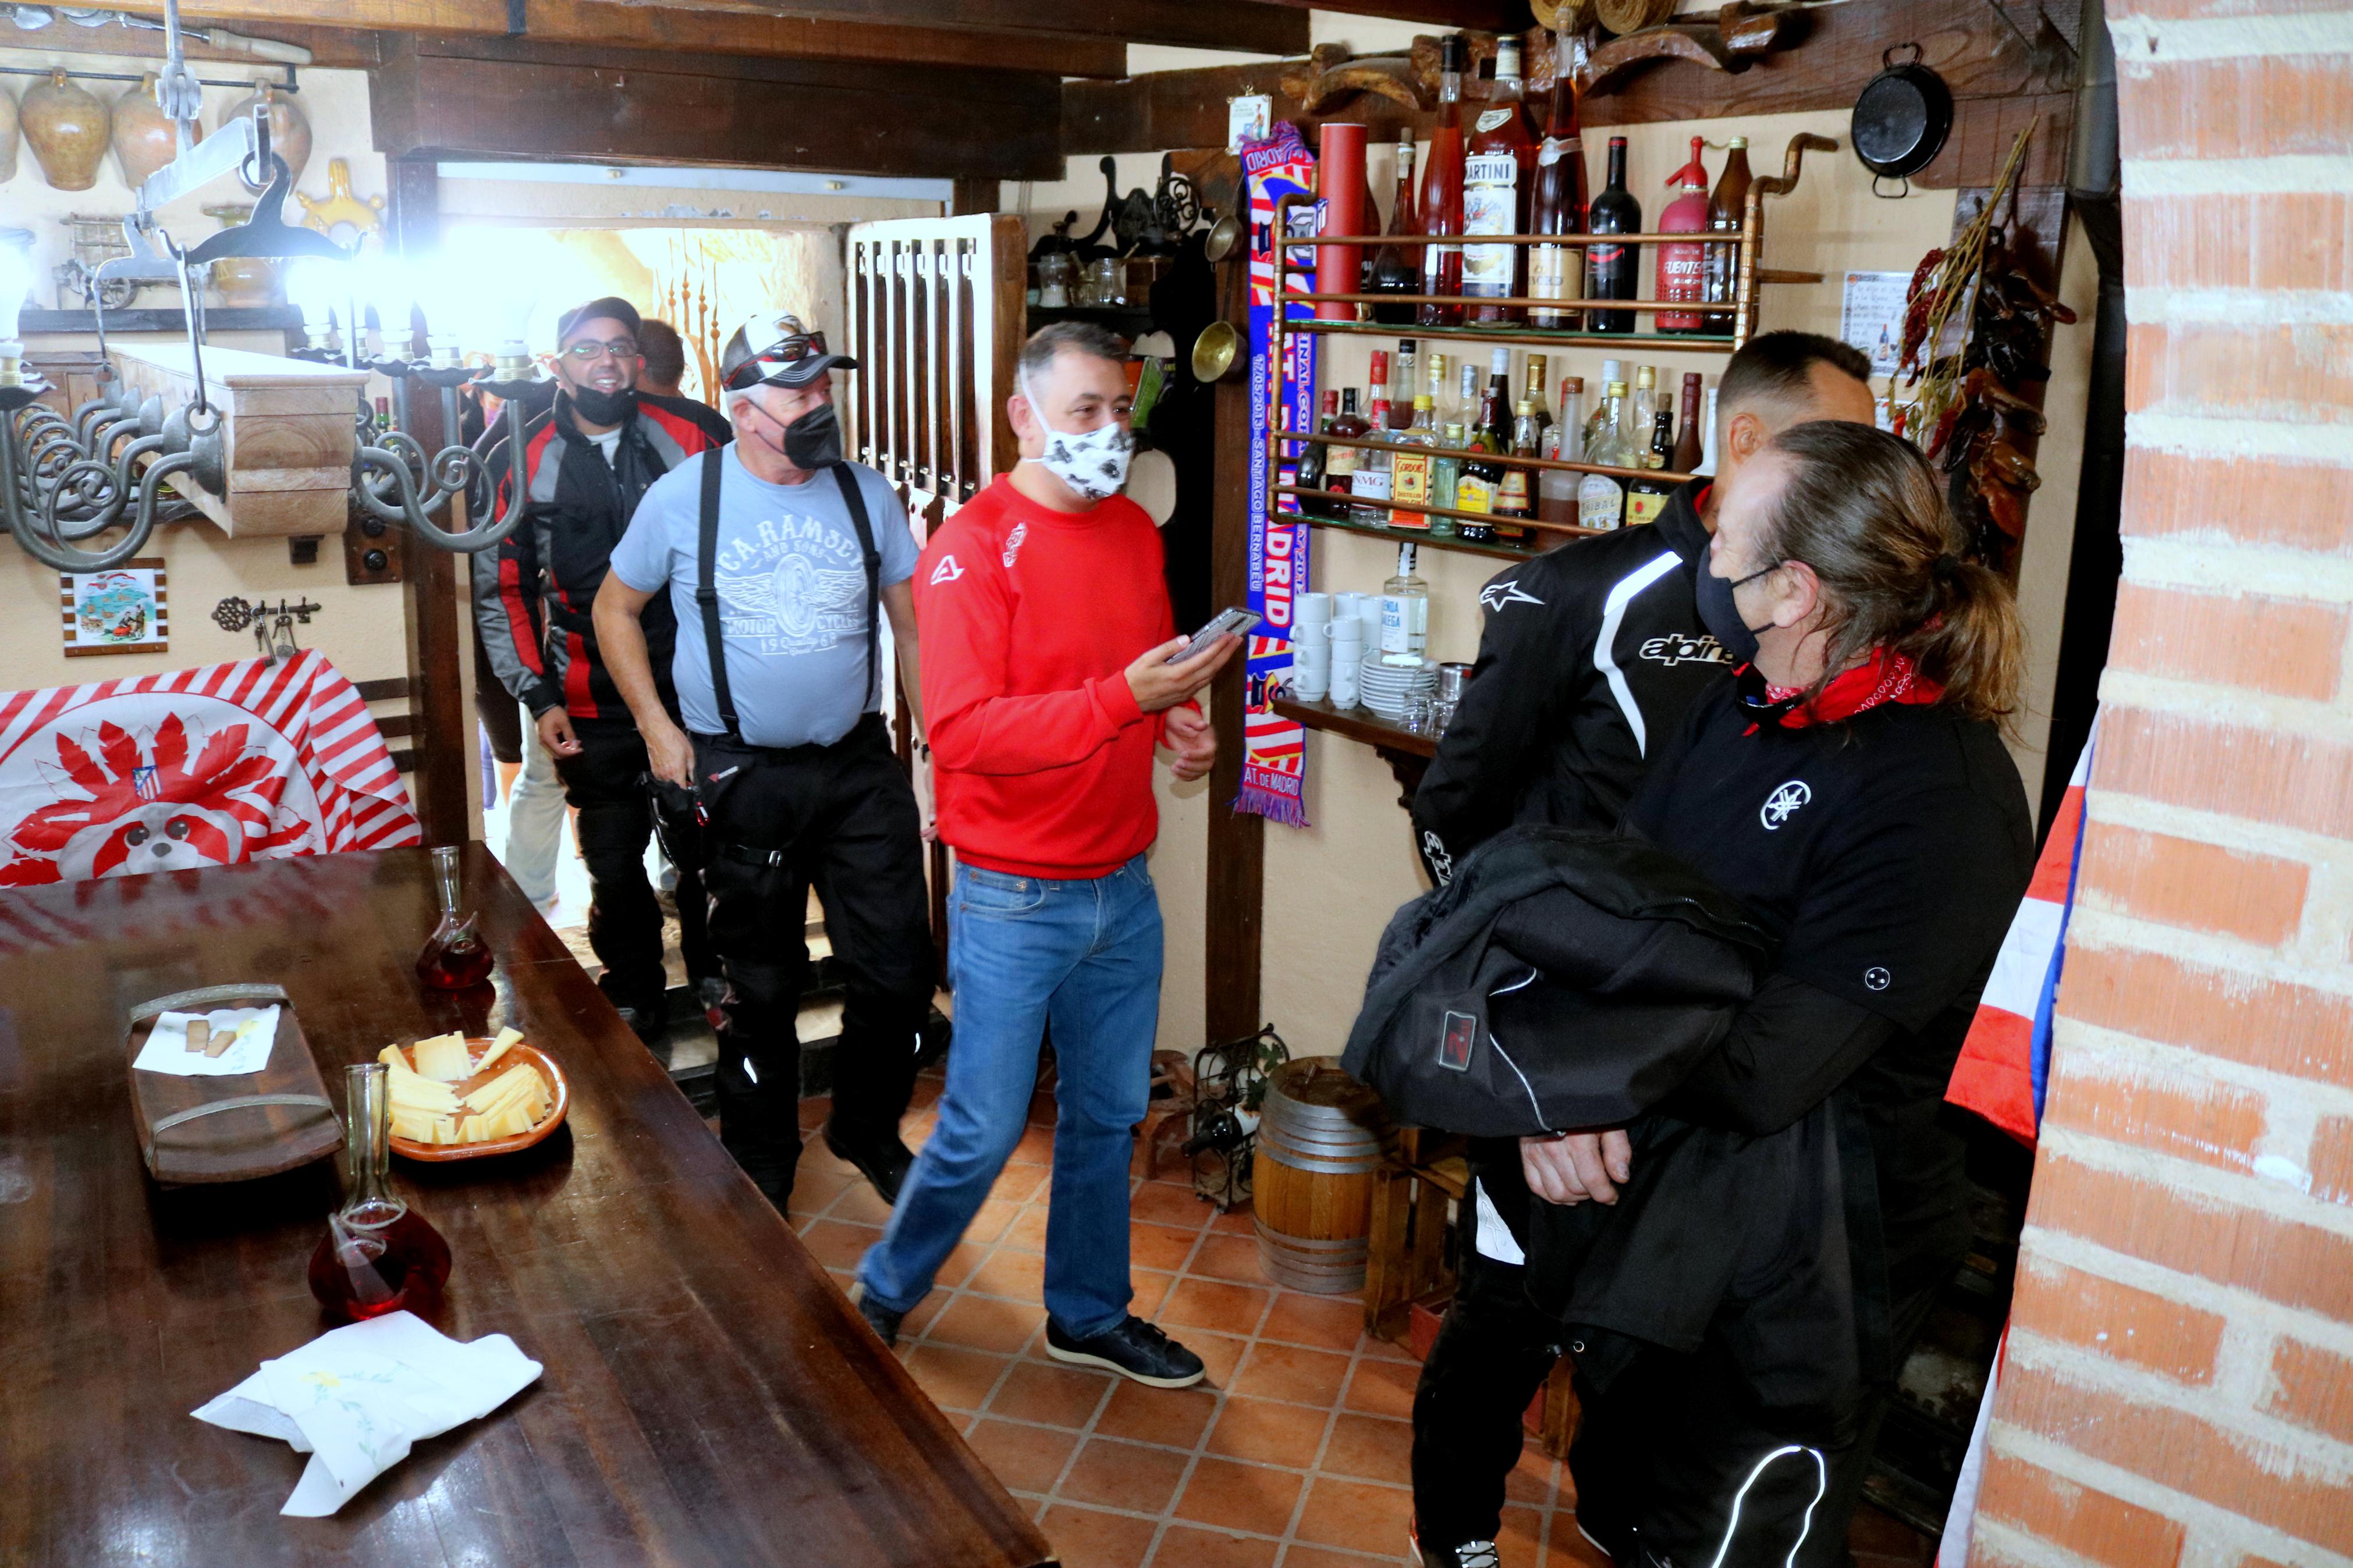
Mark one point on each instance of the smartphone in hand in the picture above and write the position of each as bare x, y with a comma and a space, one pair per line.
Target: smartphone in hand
1225, 623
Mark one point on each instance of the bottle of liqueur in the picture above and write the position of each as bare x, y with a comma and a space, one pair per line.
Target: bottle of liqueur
1688, 445
1634, 415
1534, 393
1727, 209
1396, 269
1442, 393
1445, 477
1313, 457
1707, 435
1557, 204
1405, 611
1442, 188
1482, 481
1403, 384
1410, 466
1514, 498
1557, 487
1340, 462
1371, 480
1683, 263
1466, 397
1600, 499
1498, 174
1611, 369
1646, 498
1611, 271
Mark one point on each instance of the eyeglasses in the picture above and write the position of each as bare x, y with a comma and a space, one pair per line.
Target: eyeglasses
783, 352
590, 349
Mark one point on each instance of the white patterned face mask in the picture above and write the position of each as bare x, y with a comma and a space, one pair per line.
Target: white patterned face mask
1092, 462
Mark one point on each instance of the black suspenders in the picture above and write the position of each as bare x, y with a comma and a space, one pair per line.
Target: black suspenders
706, 593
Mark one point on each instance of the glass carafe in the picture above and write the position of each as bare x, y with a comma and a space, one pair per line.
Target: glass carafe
455, 955
379, 1255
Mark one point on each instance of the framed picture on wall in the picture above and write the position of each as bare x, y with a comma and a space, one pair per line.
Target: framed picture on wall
125, 610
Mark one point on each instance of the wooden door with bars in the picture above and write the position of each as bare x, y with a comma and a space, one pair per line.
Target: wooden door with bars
936, 312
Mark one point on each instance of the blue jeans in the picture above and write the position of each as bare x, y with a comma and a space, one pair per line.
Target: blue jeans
1083, 955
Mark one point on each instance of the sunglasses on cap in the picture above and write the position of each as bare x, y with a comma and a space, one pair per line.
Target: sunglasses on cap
785, 351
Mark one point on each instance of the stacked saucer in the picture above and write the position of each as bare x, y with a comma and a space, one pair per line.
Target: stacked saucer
1390, 683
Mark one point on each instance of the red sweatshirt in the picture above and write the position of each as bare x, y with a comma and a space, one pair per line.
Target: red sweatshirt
1042, 761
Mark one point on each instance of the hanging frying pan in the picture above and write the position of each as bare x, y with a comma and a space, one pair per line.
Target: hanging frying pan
1901, 120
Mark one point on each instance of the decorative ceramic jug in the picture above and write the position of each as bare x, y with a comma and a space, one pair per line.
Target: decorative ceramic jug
144, 137
243, 282
8, 136
289, 132
68, 129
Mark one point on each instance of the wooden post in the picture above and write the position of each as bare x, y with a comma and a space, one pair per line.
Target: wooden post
1237, 840
437, 689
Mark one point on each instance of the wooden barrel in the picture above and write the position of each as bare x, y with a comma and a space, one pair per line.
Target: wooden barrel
1321, 1138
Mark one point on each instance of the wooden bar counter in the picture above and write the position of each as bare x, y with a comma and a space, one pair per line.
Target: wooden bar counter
709, 1396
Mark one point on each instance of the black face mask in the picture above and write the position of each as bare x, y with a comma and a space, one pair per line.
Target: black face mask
814, 440
604, 407
1721, 614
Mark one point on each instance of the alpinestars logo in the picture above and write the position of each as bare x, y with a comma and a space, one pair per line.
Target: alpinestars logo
1441, 864
947, 571
1495, 595
1683, 648
1783, 804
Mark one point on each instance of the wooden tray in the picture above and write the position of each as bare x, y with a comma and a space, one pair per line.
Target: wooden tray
521, 1051
237, 1128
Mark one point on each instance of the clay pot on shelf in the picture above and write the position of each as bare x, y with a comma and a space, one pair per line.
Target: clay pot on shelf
243, 282
289, 132
8, 134
68, 128
144, 137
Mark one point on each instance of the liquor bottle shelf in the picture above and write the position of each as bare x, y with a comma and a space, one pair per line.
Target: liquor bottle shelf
1600, 304
1491, 519
1360, 724
1504, 333
1506, 459
1427, 540
1725, 237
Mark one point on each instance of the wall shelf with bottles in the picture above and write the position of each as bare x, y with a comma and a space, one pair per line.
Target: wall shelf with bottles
1500, 550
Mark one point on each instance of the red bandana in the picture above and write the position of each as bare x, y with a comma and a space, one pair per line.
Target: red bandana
1886, 676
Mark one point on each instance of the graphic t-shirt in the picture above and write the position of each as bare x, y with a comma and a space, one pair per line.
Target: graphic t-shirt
792, 596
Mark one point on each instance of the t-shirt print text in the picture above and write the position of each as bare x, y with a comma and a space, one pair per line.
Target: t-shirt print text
793, 585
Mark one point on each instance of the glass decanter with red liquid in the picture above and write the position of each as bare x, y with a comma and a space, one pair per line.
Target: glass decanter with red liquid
379, 1255
455, 955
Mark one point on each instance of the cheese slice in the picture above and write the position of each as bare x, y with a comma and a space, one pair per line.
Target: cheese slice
444, 1057
516, 1080
507, 1037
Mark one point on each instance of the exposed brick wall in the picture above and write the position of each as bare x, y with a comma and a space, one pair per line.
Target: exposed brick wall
2179, 1387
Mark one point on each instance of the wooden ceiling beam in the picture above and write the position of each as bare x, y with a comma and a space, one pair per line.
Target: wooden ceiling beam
1006, 34
1440, 16
333, 47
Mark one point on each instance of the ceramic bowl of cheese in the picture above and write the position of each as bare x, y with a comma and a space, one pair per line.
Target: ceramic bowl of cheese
460, 1097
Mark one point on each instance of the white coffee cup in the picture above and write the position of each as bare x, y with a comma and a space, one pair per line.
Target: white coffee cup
1311, 609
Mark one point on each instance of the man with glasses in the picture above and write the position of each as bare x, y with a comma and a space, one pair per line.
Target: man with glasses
587, 462
781, 561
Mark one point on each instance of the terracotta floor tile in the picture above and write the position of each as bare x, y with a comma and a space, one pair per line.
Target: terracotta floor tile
1324, 1557
918, 1316
1089, 1538
1231, 1257
1018, 1275
1042, 1109
1158, 1203
990, 1223
1383, 1388
1269, 1433
813, 1191
1234, 1222
837, 1244
1327, 1323
1568, 1549
1028, 1230
1239, 1497
958, 1267
1151, 1290
1158, 1246
1522, 1536
1059, 1396
1172, 1417
1124, 1475
927, 1093
814, 1112
1036, 1148
861, 1204
1356, 1515
1289, 1373
1026, 1458
1182, 1546
1219, 1354
985, 1323
1370, 1448
1214, 1304
956, 1379
1531, 1480
1019, 1183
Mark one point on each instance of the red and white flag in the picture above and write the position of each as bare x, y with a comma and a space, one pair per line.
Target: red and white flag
212, 766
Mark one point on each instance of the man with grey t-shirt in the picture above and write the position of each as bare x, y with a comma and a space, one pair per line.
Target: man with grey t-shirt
780, 559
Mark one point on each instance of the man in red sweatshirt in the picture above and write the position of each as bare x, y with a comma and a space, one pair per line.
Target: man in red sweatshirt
1046, 639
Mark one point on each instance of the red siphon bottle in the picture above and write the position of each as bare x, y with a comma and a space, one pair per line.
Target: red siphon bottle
379, 1255
1683, 263
455, 955
1441, 187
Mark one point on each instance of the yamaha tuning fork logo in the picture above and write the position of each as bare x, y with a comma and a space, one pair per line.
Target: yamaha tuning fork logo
1783, 804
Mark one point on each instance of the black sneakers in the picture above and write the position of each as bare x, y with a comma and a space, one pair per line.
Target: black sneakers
1134, 1349
879, 1318
884, 1163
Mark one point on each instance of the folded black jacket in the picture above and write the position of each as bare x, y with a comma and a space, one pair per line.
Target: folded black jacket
1565, 978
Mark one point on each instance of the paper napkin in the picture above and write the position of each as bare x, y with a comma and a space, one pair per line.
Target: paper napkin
255, 1030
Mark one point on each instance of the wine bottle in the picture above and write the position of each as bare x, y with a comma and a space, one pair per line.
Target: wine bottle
1686, 457
1396, 269
1557, 203
1683, 263
1612, 271
1498, 174
1727, 209
1371, 479
1442, 188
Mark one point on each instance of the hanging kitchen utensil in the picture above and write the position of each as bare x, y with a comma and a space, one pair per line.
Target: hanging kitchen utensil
1224, 234
1901, 120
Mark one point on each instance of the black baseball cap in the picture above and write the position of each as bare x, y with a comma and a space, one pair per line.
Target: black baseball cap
774, 348
610, 306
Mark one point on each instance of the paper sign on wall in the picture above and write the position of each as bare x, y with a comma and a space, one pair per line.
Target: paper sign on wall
1872, 316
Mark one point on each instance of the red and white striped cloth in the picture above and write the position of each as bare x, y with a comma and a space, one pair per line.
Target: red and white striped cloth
211, 767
